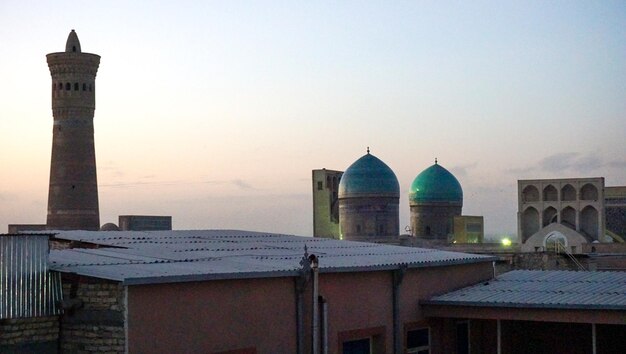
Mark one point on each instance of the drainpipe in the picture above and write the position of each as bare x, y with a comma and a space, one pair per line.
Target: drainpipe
396, 276
315, 318
593, 338
324, 321
499, 336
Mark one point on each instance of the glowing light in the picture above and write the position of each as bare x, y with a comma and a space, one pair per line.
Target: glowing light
506, 242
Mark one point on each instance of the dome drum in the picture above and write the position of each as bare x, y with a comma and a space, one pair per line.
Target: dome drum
373, 217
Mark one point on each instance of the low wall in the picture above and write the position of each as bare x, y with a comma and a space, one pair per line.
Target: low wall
29, 335
96, 323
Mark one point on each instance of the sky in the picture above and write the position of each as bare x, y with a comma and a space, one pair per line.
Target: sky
215, 112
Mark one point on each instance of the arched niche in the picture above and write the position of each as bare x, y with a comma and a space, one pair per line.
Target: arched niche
550, 215
568, 193
530, 223
568, 217
589, 222
550, 194
589, 192
530, 194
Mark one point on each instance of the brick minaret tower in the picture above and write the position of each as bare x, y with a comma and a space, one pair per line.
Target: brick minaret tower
73, 193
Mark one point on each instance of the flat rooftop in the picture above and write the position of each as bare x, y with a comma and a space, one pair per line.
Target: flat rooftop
145, 257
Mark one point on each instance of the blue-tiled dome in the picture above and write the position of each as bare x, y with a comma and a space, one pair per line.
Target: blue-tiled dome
435, 184
369, 177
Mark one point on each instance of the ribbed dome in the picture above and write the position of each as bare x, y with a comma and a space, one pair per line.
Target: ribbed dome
435, 184
369, 176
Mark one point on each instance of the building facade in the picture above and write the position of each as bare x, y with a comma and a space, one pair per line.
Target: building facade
615, 212
564, 213
468, 229
73, 190
144, 223
326, 203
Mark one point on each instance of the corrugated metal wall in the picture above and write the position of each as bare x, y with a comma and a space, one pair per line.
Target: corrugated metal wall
27, 287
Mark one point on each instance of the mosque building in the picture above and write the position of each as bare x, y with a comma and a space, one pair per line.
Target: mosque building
435, 198
368, 205
369, 199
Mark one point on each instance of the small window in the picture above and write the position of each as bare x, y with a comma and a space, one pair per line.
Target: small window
427, 231
76, 86
84, 87
68, 86
60, 86
320, 185
74, 48
418, 341
359, 346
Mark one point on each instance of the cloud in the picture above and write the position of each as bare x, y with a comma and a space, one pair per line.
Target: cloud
242, 185
570, 162
462, 170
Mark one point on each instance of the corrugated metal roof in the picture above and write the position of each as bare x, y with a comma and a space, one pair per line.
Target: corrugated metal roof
174, 256
543, 289
27, 288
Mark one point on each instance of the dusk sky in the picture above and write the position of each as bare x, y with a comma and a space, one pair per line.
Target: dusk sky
216, 112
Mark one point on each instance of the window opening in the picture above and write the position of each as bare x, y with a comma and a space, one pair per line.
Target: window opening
320, 185
84, 87
358, 346
418, 341
68, 86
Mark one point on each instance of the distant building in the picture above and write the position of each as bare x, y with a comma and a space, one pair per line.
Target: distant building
326, 203
615, 212
568, 213
369, 198
17, 228
144, 223
435, 198
468, 229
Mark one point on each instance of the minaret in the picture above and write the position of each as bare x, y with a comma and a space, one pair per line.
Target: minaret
73, 191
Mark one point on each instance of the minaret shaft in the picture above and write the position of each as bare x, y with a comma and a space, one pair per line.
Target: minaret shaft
73, 191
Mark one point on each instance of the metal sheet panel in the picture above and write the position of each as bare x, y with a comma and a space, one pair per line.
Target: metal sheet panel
169, 256
27, 287
545, 289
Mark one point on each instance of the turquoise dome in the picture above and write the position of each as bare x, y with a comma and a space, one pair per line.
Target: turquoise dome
369, 176
435, 184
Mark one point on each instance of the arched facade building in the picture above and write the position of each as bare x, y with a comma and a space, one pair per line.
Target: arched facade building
571, 207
